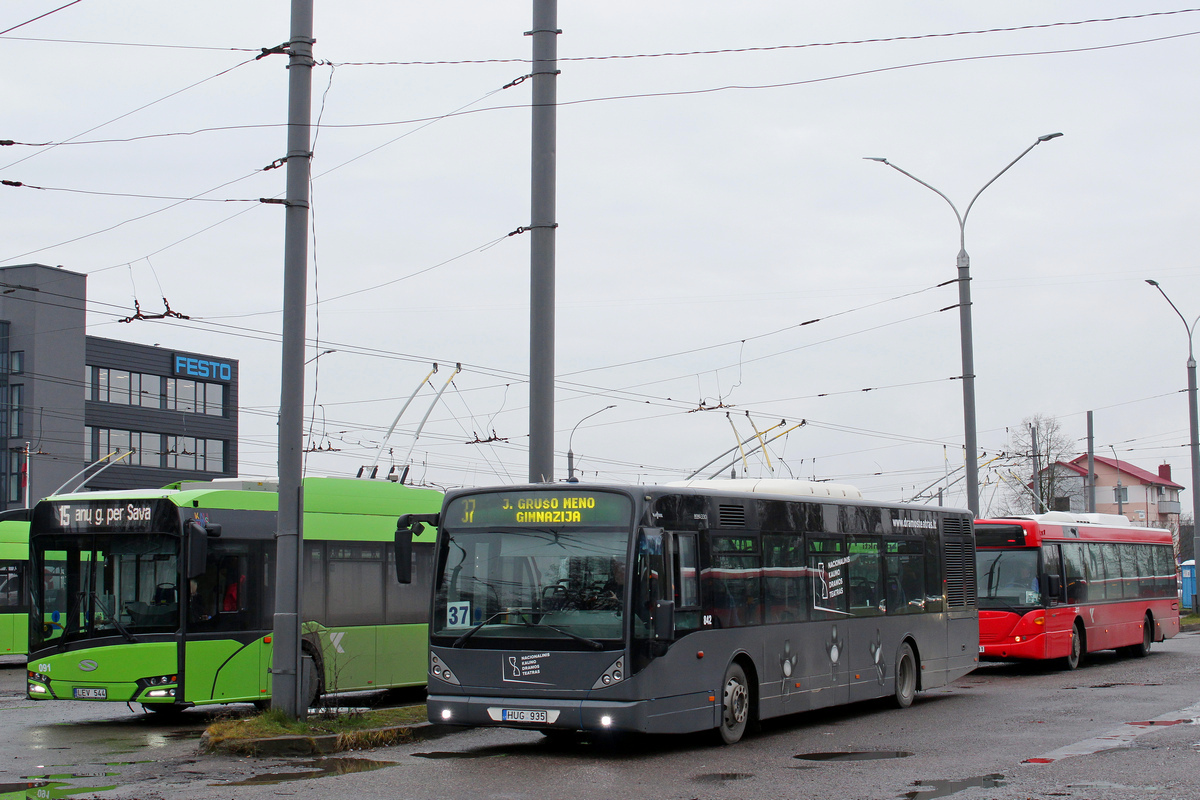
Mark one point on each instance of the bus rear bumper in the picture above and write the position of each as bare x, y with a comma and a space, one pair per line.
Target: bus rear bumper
681, 714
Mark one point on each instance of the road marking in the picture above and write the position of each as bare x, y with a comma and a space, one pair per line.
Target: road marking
1119, 737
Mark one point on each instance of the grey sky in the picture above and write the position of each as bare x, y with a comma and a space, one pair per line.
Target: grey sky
700, 222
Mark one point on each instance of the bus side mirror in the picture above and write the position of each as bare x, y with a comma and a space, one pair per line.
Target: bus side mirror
1053, 587
408, 526
664, 620
196, 541
404, 550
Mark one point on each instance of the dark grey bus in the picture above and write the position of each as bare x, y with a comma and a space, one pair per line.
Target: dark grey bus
664, 609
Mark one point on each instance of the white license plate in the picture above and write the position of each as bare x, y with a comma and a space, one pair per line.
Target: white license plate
90, 694
523, 715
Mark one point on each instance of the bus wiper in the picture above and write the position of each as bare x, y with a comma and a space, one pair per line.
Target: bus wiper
120, 626
462, 639
592, 643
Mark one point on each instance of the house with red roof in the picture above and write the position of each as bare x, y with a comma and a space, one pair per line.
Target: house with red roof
1121, 488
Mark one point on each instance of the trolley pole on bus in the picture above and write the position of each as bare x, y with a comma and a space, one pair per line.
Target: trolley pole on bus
970, 443
286, 673
1195, 433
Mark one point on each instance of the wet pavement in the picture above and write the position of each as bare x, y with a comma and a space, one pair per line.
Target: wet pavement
1118, 729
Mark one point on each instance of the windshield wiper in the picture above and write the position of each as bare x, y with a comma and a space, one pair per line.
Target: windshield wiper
592, 643
120, 626
462, 639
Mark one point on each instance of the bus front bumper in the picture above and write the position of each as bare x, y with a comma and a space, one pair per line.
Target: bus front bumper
668, 715
1015, 648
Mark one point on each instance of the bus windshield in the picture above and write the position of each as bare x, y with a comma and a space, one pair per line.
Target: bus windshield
104, 585
1007, 579
565, 586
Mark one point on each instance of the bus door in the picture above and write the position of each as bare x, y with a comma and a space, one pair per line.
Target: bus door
826, 646
1059, 617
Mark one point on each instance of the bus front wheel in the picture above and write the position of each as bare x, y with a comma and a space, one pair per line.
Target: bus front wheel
735, 704
1075, 655
906, 676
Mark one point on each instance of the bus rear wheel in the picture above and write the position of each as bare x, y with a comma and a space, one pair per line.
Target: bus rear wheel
1143, 649
735, 704
906, 676
1075, 656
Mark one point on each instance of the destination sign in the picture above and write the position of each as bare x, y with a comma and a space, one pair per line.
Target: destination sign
553, 508
133, 515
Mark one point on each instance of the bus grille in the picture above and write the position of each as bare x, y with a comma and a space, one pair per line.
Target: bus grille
732, 516
960, 574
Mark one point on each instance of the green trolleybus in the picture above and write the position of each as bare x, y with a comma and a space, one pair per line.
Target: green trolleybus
14, 566
166, 597
669, 609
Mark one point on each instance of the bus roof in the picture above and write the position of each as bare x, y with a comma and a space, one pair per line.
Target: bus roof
1063, 526
327, 495
773, 486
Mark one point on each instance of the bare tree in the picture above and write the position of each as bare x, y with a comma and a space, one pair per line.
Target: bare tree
1035, 478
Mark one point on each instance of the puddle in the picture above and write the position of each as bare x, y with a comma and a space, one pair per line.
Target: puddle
460, 754
926, 790
861, 755
51, 789
70, 776
722, 777
319, 768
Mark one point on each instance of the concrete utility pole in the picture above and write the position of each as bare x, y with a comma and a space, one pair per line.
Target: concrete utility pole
286, 662
1091, 476
541, 251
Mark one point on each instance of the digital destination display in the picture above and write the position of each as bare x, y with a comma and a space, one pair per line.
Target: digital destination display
557, 508
134, 515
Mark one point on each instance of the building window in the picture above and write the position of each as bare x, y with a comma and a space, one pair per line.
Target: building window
123, 387
195, 397
89, 446
144, 448
1121, 494
15, 489
16, 398
16, 362
201, 455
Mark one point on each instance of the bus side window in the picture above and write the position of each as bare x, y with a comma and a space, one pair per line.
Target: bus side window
1077, 588
1052, 566
685, 570
866, 589
1097, 575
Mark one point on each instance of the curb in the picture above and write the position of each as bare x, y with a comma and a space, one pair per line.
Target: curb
297, 745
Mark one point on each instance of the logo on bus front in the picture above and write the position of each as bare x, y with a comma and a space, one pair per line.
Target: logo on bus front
522, 667
87, 665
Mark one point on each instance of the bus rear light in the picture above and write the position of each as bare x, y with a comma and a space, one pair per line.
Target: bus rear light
612, 675
606, 721
446, 714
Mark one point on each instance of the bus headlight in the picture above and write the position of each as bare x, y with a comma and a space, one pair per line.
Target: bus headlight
37, 688
440, 671
612, 675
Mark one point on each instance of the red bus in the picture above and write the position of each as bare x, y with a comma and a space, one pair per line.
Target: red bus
1061, 585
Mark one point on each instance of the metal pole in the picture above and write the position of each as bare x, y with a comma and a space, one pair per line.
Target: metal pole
1120, 500
1091, 476
1194, 425
286, 657
570, 441
970, 434
541, 252
1195, 448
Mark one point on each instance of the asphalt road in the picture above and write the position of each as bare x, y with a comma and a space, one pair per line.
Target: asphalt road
1006, 731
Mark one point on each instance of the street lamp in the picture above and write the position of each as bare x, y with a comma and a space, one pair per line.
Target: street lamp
1195, 426
570, 453
964, 320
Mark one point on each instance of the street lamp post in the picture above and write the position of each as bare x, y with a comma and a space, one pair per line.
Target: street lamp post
1195, 431
571, 453
971, 472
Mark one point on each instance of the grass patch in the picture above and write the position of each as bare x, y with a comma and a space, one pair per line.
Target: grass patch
274, 722
1190, 619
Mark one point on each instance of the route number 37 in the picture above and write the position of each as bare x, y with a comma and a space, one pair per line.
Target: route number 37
458, 615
